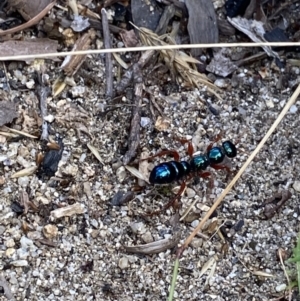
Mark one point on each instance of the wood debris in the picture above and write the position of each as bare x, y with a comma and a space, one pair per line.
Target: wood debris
70, 210
156, 246
32, 46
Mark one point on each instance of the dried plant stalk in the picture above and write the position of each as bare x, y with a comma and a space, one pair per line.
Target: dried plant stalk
178, 62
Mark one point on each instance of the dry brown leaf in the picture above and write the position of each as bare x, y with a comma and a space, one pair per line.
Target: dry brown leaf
83, 10
26, 203
72, 63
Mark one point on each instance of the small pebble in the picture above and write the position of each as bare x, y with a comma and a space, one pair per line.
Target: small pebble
94, 233
23, 181
197, 243
22, 254
282, 103
10, 243
123, 263
49, 118
280, 287
94, 223
221, 83
147, 237
145, 121
13, 279
195, 223
77, 91
138, 228
296, 186
270, 103
2, 180
2, 228
30, 84
121, 174
50, 231
9, 252
27, 243
293, 109
190, 193
120, 45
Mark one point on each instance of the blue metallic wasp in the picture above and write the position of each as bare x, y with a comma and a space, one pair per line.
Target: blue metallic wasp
176, 170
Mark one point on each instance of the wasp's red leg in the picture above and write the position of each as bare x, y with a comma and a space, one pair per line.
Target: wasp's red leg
190, 149
207, 174
217, 138
220, 166
170, 203
171, 152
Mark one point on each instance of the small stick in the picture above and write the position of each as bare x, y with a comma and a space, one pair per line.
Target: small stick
42, 92
108, 60
152, 99
128, 75
134, 136
7, 80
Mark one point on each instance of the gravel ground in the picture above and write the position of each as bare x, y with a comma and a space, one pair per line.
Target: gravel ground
82, 257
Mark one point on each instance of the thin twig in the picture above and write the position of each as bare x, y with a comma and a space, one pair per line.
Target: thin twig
128, 75
42, 92
6, 76
108, 60
152, 99
145, 48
